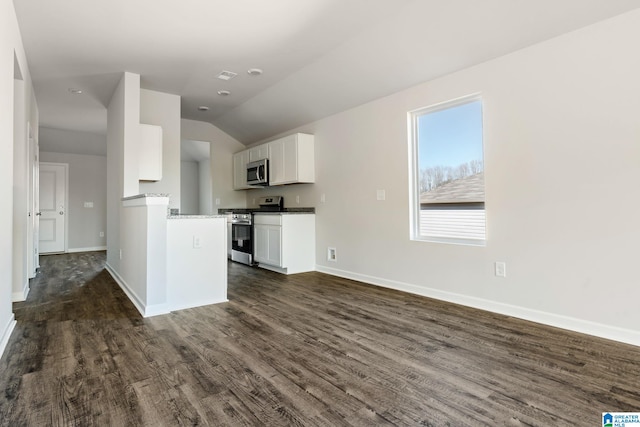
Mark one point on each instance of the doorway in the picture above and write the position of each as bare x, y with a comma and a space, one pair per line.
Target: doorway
195, 177
53, 207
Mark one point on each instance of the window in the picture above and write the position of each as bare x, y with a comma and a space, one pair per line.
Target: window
447, 188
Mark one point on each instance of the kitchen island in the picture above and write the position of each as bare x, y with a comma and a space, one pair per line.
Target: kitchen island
169, 262
196, 260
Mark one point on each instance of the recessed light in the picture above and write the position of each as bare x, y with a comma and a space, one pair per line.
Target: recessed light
75, 91
203, 108
226, 75
224, 93
254, 71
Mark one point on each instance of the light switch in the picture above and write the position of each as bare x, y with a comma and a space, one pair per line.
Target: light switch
381, 195
88, 204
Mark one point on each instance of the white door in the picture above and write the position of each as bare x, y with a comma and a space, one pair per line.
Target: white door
53, 185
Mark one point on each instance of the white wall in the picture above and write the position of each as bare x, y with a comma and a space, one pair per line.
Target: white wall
163, 109
73, 142
189, 188
20, 192
205, 192
87, 183
222, 148
123, 135
11, 54
562, 168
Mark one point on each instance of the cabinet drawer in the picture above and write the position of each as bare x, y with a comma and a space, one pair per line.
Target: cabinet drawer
268, 219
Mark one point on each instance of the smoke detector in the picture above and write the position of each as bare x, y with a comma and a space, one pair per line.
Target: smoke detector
226, 75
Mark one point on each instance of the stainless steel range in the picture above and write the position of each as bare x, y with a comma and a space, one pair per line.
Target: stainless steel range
242, 228
241, 238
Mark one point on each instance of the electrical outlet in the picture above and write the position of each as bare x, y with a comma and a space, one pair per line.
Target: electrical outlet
331, 254
298, 199
323, 198
102, 234
381, 195
501, 269
88, 204
217, 201
120, 253
197, 242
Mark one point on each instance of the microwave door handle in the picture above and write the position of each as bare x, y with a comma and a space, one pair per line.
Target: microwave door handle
260, 169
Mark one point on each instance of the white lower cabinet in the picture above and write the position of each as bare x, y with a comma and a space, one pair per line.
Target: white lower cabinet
284, 242
268, 246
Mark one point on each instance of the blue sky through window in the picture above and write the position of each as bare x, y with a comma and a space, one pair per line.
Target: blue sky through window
450, 136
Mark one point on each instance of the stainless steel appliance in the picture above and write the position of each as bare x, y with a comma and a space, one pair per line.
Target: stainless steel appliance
271, 204
258, 172
242, 238
241, 223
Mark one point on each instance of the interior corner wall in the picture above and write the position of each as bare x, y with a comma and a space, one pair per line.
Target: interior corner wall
562, 167
163, 109
223, 147
87, 183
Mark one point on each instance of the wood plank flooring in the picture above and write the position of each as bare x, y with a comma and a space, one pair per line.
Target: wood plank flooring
302, 350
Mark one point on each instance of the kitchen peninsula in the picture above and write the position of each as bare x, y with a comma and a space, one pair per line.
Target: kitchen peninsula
170, 262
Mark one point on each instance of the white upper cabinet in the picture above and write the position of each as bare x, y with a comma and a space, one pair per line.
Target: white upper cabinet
240, 161
292, 160
258, 153
150, 155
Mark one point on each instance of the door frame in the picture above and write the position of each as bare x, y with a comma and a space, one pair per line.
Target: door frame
66, 198
33, 202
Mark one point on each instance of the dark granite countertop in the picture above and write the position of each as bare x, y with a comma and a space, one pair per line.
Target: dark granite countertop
223, 211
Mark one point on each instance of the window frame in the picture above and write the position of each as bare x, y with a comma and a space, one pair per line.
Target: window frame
414, 170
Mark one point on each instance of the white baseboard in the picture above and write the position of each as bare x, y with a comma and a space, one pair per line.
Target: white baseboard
6, 334
90, 249
21, 295
144, 310
627, 336
198, 304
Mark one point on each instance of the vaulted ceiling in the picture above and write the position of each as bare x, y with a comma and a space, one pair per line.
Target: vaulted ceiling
318, 57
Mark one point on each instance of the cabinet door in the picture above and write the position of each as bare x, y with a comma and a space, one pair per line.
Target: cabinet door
240, 161
258, 153
267, 247
275, 245
260, 243
283, 161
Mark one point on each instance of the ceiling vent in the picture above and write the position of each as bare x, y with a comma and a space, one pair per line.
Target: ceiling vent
227, 75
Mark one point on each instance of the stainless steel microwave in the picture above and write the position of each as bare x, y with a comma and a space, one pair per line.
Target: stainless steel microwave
258, 172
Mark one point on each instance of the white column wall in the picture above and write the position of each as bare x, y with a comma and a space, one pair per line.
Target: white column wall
163, 109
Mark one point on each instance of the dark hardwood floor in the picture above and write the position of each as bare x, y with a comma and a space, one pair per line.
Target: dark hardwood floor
308, 350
